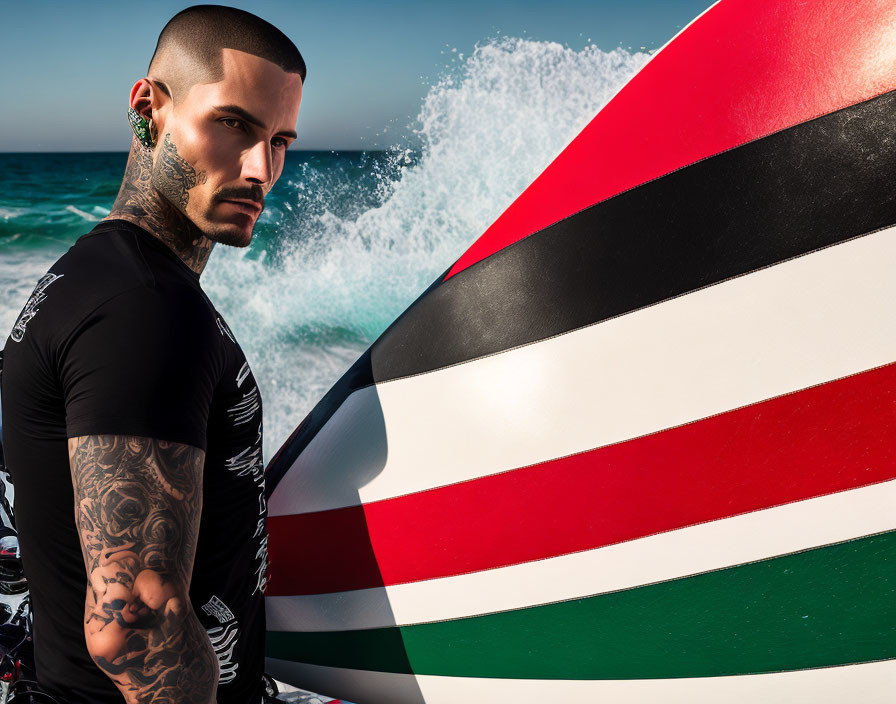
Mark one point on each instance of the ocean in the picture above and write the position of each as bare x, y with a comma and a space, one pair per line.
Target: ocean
347, 239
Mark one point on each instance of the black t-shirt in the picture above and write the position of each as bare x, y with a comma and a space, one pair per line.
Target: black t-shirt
119, 338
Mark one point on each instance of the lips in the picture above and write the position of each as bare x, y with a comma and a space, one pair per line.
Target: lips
247, 206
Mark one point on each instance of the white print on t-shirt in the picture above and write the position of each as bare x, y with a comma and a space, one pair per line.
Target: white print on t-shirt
261, 566
224, 640
246, 462
261, 555
244, 409
217, 608
242, 374
30, 310
222, 326
260, 526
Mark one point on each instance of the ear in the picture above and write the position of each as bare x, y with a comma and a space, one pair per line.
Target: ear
150, 99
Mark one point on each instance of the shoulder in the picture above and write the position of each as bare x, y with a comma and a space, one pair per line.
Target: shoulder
113, 273
104, 260
93, 271
77, 283
158, 322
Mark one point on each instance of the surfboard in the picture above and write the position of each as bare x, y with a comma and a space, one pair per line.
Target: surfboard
636, 443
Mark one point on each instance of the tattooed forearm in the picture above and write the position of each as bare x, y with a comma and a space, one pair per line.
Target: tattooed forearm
154, 194
137, 508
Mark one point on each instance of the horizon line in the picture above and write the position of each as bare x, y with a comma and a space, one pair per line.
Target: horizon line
126, 151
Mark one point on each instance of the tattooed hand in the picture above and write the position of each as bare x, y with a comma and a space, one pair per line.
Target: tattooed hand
137, 508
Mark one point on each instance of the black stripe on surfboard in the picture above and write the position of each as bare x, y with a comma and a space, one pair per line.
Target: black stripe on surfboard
784, 195
798, 190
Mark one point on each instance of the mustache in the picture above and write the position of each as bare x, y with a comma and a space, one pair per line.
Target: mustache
253, 194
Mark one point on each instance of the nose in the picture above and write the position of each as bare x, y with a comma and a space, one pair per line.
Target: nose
257, 166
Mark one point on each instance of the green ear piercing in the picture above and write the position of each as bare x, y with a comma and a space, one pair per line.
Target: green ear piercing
141, 128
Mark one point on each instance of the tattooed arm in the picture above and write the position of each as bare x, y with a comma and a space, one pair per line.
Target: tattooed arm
137, 508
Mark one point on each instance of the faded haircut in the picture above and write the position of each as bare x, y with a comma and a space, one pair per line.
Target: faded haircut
189, 47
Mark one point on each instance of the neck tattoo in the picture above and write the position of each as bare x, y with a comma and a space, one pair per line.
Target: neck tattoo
157, 201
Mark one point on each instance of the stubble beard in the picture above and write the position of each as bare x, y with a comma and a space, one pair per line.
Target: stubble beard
229, 237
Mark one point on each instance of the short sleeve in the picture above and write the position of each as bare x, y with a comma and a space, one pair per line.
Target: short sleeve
142, 363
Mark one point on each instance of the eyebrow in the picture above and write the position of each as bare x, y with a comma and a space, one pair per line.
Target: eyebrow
250, 118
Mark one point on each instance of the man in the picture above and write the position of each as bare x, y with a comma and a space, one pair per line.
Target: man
126, 395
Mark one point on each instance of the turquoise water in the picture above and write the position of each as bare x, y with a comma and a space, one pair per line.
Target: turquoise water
347, 239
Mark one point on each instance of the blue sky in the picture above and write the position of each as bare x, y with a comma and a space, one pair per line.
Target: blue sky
66, 68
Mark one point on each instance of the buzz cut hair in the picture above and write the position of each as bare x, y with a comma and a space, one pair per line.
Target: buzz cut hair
189, 47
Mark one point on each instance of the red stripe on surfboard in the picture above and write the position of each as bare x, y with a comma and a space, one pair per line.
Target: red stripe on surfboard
817, 441
743, 70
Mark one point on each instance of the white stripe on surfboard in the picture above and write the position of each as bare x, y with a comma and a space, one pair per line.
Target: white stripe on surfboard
790, 326
868, 683
702, 548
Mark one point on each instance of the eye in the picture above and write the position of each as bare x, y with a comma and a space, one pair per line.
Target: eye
232, 119
281, 142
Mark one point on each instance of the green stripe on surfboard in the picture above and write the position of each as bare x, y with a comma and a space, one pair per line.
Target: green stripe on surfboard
827, 606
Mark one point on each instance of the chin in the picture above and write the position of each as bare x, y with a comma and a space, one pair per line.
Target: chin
233, 235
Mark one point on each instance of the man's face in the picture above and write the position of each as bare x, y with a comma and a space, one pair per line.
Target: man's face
227, 140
